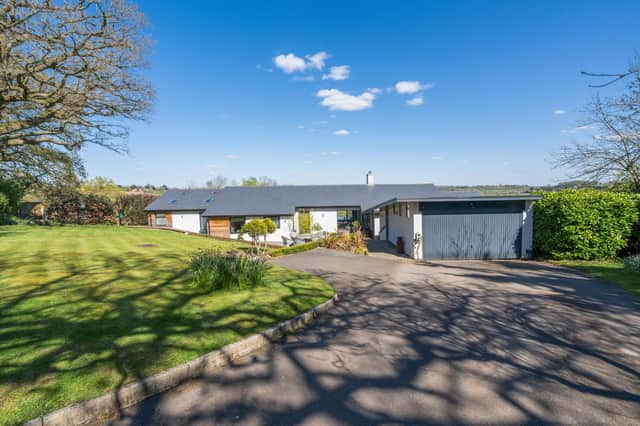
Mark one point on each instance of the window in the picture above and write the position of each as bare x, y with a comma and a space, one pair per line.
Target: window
346, 218
276, 220
235, 224
161, 219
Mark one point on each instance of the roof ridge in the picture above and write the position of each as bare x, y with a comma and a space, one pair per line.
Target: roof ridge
332, 185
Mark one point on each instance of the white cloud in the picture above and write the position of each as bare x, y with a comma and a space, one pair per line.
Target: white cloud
232, 156
300, 126
340, 72
417, 101
317, 60
308, 162
436, 157
290, 63
374, 90
303, 78
409, 87
342, 132
559, 112
336, 100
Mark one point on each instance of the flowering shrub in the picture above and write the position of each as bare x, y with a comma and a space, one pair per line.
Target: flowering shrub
349, 241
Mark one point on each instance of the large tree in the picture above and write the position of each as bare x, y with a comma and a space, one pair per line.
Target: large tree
70, 74
612, 153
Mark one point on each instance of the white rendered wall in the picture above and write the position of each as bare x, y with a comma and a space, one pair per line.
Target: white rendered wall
527, 230
185, 221
406, 225
327, 219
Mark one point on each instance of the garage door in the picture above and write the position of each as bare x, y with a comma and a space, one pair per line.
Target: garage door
472, 230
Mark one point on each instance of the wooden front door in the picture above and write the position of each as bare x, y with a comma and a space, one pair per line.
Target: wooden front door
218, 226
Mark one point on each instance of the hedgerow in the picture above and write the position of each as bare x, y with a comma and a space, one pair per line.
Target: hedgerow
583, 224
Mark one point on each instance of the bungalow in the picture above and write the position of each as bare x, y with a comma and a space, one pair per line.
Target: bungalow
432, 224
180, 209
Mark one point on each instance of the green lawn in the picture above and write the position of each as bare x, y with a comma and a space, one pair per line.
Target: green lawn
608, 270
87, 309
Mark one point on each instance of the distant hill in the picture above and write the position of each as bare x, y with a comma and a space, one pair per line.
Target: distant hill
523, 189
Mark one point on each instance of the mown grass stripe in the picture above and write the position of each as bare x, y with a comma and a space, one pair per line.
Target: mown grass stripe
91, 308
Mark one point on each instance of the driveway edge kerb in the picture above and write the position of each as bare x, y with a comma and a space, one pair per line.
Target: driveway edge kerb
111, 403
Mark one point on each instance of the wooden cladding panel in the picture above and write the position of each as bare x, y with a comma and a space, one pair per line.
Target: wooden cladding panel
169, 219
219, 227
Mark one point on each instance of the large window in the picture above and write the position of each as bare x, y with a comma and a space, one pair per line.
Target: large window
235, 224
161, 219
346, 218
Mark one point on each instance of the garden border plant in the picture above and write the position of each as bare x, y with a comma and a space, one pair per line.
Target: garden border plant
215, 270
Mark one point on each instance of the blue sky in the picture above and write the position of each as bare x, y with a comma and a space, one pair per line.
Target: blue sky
485, 78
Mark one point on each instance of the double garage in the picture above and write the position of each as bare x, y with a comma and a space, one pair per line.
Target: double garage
475, 228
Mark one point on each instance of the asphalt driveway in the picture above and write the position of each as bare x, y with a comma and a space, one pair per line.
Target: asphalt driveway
458, 342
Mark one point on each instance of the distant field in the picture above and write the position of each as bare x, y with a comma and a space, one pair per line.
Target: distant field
492, 189
87, 309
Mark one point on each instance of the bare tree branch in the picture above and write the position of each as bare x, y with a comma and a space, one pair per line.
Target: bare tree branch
71, 74
613, 152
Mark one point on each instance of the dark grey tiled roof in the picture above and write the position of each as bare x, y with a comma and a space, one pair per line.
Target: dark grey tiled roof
283, 200
183, 199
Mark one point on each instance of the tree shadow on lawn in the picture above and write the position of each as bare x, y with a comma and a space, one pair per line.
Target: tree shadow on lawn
480, 344
84, 332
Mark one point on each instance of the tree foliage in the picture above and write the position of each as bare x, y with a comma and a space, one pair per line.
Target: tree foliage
217, 182
70, 74
101, 186
613, 151
133, 205
259, 181
583, 224
11, 192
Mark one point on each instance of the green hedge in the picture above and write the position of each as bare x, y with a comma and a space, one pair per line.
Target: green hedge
299, 248
583, 224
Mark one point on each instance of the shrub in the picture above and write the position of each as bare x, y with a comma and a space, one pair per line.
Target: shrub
583, 224
304, 222
633, 247
632, 262
255, 228
214, 270
298, 248
11, 192
349, 241
133, 205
